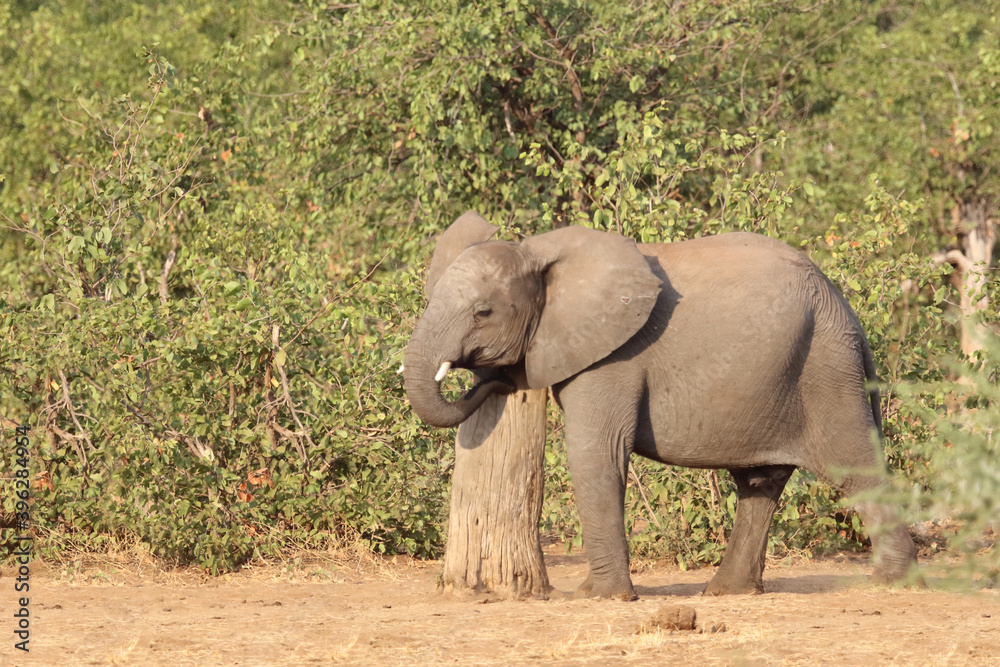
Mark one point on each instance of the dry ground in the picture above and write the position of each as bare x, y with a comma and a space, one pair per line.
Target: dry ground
814, 612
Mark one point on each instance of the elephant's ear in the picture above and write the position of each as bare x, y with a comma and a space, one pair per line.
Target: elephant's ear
599, 293
469, 229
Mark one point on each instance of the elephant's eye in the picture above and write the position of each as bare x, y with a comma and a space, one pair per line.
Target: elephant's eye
482, 311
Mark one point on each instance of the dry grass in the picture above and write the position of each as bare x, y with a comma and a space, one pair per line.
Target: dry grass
126, 559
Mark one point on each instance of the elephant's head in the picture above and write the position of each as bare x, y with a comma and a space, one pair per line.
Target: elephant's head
556, 303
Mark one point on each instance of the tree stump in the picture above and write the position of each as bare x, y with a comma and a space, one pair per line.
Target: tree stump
496, 500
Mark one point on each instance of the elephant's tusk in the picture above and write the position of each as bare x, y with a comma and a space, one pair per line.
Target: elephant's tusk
443, 371
401, 368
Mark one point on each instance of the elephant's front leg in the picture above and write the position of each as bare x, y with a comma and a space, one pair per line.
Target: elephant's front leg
599, 464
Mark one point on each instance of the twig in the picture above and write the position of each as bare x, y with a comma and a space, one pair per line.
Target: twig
713, 487
275, 330
642, 494
167, 265
83, 435
192, 442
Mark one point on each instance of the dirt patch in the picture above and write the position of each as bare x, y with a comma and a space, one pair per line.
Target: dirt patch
813, 612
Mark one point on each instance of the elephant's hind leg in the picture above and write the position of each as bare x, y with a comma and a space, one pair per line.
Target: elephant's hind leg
757, 491
893, 548
849, 461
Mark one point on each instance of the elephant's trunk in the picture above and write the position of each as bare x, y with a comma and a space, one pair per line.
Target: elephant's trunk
423, 371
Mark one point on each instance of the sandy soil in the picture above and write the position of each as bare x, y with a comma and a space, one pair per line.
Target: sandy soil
814, 612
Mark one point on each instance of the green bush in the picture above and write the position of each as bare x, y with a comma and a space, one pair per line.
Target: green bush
962, 458
185, 343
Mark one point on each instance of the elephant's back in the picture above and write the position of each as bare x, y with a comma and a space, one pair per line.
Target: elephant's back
743, 273
735, 257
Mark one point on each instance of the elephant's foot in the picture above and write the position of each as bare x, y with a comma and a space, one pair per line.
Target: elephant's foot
724, 583
895, 559
890, 571
623, 592
897, 574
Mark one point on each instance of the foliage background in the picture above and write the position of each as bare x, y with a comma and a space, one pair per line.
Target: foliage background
215, 221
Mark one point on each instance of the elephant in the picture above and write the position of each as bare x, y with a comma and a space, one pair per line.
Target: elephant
729, 351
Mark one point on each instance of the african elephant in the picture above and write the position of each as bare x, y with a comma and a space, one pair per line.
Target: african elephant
732, 351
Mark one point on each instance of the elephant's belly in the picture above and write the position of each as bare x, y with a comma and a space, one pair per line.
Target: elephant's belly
723, 385
722, 425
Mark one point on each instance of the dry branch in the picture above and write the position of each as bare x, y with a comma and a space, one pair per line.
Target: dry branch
165, 273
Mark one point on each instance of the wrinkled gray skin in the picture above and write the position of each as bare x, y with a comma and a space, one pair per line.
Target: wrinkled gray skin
732, 351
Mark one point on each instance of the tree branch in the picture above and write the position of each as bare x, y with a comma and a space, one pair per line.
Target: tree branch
568, 55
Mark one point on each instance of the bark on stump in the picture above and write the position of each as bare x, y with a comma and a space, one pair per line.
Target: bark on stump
496, 500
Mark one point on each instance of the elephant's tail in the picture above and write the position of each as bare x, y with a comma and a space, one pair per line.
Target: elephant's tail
873, 393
